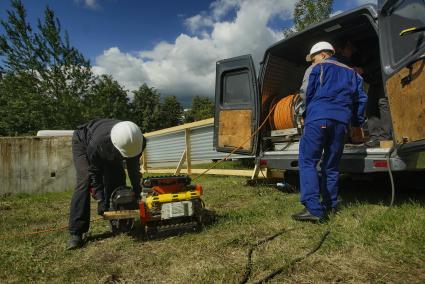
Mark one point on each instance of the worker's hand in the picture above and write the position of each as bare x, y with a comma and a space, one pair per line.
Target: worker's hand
101, 207
92, 192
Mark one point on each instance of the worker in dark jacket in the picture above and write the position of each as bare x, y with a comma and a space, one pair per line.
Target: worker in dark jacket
334, 97
99, 148
378, 123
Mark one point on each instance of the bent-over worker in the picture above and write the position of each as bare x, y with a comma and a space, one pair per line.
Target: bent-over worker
334, 97
99, 148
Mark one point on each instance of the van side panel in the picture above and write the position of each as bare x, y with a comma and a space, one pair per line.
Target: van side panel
406, 95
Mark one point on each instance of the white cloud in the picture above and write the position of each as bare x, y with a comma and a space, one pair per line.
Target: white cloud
198, 22
125, 68
186, 66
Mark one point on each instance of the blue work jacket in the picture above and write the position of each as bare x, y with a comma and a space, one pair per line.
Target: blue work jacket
332, 90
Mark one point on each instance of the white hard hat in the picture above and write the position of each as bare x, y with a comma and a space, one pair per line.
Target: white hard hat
320, 46
127, 138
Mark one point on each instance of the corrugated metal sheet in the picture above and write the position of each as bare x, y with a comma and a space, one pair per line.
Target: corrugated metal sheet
165, 148
170, 147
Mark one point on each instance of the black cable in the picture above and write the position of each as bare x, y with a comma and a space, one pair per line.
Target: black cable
286, 267
251, 250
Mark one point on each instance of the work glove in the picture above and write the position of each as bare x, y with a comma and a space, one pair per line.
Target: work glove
101, 207
92, 192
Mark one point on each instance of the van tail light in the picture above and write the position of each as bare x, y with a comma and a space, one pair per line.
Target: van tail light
380, 164
263, 162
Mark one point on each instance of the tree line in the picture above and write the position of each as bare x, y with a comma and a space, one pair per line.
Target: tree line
46, 83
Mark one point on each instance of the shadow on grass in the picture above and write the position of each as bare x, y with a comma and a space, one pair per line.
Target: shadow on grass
376, 189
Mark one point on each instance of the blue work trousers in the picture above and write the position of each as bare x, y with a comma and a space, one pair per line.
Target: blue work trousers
323, 136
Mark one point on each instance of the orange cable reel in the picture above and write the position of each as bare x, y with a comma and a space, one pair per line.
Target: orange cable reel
283, 114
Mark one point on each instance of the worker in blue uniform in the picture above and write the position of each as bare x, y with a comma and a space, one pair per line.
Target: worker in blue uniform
334, 97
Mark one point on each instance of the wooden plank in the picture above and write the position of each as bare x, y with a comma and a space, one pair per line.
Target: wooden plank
255, 171
180, 127
188, 147
121, 214
285, 132
180, 165
235, 127
407, 103
144, 162
386, 144
222, 172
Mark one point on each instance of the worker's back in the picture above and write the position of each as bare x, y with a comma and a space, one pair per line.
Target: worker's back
332, 91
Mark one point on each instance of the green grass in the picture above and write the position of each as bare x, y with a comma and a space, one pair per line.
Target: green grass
241, 164
368, 242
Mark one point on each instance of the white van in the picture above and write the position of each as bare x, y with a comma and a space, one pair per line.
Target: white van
392, 33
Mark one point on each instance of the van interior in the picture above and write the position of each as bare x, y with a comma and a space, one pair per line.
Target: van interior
285, 62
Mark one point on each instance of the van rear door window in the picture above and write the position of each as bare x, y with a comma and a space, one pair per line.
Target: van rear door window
236, 89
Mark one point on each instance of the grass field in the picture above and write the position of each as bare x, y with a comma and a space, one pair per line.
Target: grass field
369, 242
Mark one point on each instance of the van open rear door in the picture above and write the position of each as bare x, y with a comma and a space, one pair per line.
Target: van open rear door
402, 45
236, 105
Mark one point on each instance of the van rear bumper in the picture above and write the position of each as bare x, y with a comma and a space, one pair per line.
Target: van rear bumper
354, 160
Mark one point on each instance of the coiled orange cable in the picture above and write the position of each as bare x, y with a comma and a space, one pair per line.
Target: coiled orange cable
283, 114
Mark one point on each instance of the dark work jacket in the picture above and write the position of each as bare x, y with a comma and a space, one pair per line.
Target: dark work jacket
101, 153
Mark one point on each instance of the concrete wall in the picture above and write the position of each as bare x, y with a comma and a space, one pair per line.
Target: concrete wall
35, 164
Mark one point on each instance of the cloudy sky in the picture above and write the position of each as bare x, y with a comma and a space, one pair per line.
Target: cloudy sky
170, 45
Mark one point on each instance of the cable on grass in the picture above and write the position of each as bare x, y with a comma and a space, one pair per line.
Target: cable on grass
298, 259
269, 277
251, 250
48, 230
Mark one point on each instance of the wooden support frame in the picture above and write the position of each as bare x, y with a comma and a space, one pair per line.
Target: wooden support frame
222, 172
256, 170
144, 159
180, 165
186, 155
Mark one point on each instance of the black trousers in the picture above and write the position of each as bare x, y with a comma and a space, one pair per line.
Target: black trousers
114, 176
379, 123
378, 112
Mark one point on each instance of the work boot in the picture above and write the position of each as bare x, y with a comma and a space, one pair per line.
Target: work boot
304, 215
75, 241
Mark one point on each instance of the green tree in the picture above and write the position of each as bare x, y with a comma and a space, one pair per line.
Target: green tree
146, 108
309, 12
171, 112
202, 108
22, 109
107, 99
58, 70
